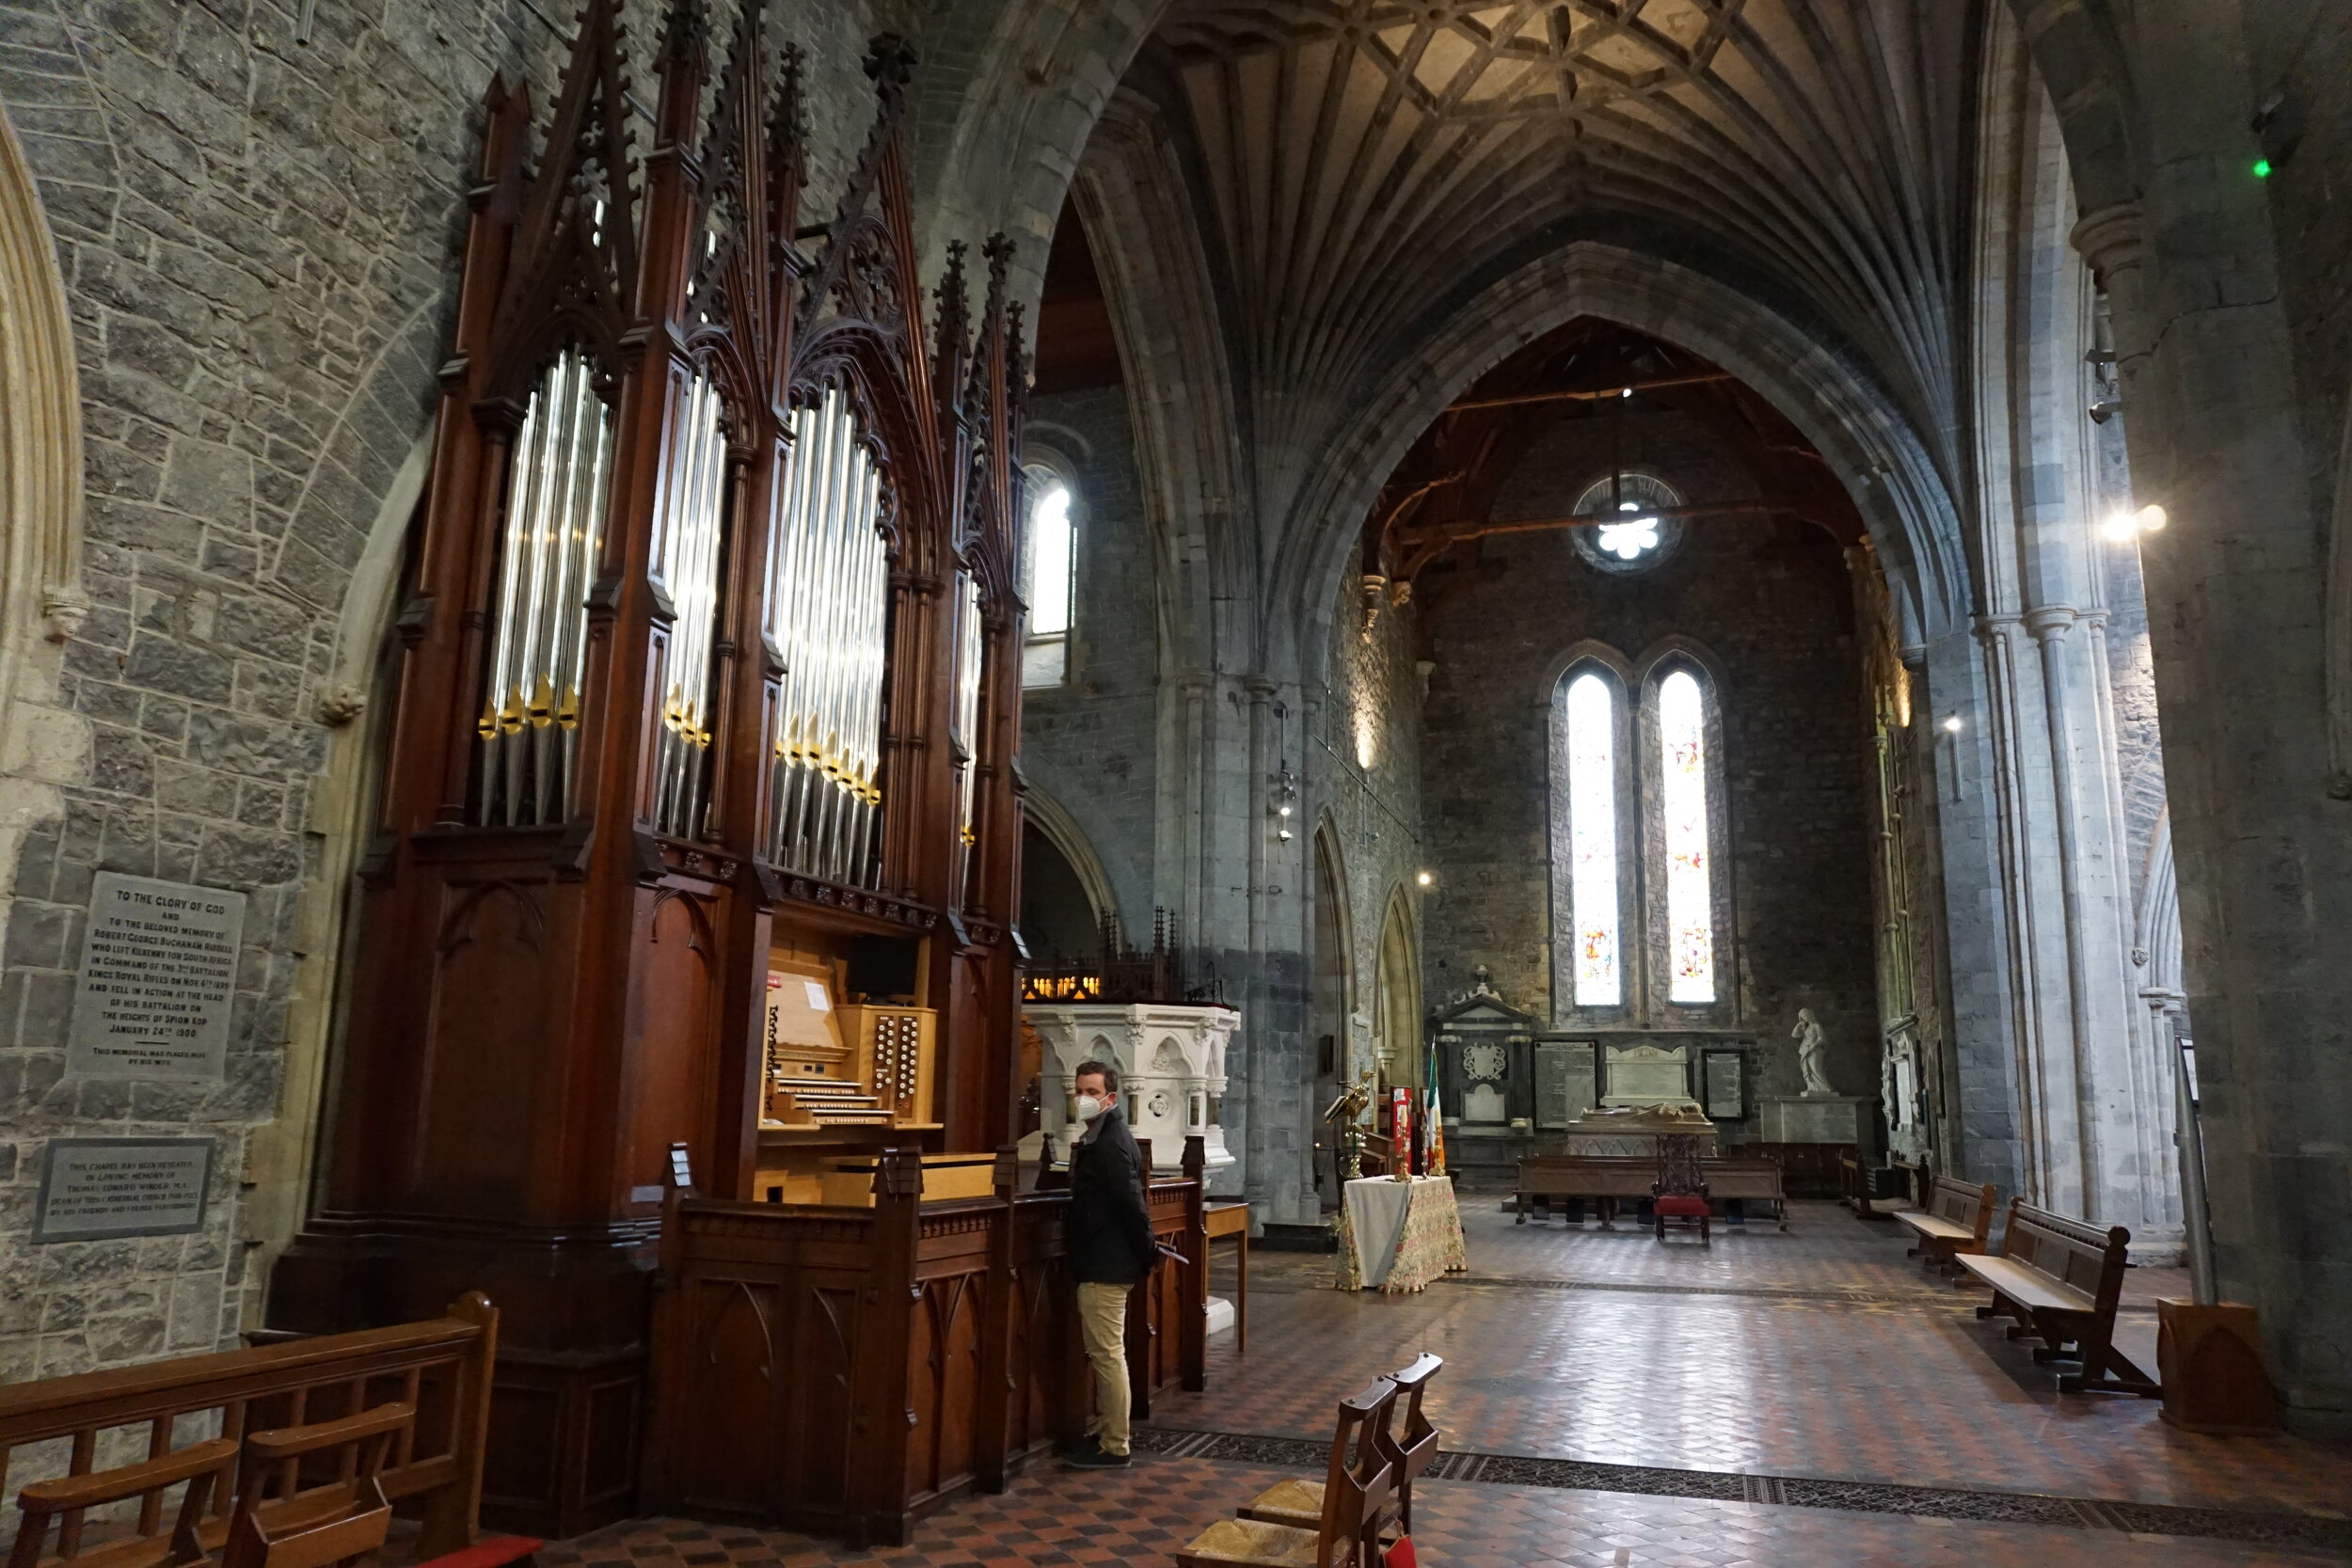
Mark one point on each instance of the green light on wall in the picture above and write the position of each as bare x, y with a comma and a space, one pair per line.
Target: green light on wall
2261, 168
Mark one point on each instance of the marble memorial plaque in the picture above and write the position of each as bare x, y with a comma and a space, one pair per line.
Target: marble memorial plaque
1726, 1084
95, 1188
159, 975
1647, 1074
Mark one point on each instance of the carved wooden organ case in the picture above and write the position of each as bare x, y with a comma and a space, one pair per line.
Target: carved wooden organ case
709, 670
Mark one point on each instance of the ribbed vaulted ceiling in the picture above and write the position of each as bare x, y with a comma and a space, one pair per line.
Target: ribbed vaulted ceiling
1368, 163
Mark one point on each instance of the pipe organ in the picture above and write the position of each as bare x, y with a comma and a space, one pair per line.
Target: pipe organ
828, 613
687, 559
554, 527
699, 824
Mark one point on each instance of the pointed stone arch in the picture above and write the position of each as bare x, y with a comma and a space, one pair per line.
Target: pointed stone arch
42, 603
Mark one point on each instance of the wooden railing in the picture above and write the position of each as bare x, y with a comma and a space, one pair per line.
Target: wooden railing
441, 1368
847, 1371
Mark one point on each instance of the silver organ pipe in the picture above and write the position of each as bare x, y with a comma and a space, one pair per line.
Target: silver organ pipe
967, 711
829, 605
555, 503
686, 560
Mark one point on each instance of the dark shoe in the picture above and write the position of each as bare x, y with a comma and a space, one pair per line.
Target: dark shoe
1070, 1446
1092, 1457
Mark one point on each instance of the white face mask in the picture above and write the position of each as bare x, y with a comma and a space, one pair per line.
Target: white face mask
1089, 1107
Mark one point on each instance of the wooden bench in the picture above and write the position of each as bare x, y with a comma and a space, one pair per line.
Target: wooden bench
1607, 1178
1602, 1177
2060, 1279
439, 1367
1957, 1219
1750, 1179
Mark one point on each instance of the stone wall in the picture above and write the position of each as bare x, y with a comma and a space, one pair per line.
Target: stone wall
1363, 778
1770, 611
256, 236
1092, 743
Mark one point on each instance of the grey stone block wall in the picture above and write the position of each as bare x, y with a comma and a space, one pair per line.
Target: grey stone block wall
1770, 608
1092, 743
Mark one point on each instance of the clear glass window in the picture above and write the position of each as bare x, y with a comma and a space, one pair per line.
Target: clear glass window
1049, 584
1592, 745
1690, 876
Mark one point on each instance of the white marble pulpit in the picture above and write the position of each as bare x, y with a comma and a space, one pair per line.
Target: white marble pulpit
1172, 1069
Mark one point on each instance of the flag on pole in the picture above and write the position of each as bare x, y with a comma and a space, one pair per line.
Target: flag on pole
1435, 1135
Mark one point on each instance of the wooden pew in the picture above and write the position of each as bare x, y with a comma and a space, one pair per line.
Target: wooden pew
2060, 1279
1957, 1219
441, 1368
1751, 1179
1605, 1179
317, 1525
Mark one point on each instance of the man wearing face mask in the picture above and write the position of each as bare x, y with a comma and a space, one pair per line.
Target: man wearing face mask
1111, 1249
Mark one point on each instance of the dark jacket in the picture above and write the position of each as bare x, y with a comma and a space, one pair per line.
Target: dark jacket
1110, 1230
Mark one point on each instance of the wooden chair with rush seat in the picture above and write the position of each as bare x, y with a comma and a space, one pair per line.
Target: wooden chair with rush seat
1681, 1190
1358, 1486
1408, 1439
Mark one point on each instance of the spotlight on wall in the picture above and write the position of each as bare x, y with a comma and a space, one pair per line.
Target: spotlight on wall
1425, 878
1952, 724
2151, 517
1286, 801
2119, 529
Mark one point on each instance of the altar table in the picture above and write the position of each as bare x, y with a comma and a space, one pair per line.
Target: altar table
1399, 1235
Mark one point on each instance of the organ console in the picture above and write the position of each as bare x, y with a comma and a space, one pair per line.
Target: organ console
699, 820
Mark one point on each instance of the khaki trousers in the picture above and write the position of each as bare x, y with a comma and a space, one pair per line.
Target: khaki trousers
1103, 1319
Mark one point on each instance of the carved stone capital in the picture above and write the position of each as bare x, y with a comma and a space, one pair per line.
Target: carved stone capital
2050, 622
2112, 240
63, 610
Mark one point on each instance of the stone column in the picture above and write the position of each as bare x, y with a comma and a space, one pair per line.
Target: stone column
2234, 591
2120, 1100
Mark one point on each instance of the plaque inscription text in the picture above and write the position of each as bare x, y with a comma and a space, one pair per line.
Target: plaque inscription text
159, 973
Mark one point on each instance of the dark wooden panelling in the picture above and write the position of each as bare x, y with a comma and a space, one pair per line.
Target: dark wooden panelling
866, 1430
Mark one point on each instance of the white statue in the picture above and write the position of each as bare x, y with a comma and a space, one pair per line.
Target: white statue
1807, 1034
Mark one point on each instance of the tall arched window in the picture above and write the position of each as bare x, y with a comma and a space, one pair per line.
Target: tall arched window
1591, 745
1682, 764
1049, 582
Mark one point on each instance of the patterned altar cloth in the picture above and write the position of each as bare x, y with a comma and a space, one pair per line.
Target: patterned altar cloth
1399, 1236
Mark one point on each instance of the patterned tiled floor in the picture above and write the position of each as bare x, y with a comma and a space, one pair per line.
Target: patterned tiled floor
1142, 1515
1906, 1386
1756, 1377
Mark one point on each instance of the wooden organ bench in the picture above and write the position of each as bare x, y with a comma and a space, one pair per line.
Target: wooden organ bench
1957, 1219
415, 1397
2060, 1279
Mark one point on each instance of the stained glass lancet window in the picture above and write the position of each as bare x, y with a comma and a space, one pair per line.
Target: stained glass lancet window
1682, 795
1592, 745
